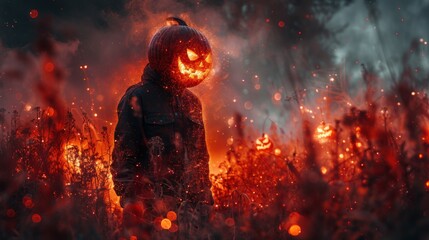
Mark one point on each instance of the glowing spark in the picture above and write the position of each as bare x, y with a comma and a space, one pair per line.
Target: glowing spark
34, 13
36, 218
248, 105
172, 215
49, 112
277, 96
27, 107
230, 121
294, 230
49, 67
166, 223
230, 222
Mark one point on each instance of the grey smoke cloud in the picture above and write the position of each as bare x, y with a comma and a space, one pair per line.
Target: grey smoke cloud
399, 23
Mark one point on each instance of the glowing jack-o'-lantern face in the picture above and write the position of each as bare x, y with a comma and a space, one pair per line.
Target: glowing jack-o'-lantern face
264, 143
194, 66
324, 133
180, 53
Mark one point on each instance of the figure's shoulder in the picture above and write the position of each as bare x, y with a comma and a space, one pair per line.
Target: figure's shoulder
140, 89
190, 96
132, 88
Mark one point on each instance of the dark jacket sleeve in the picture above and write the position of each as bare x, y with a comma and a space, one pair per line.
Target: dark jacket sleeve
129, 145
205, 171
200, 160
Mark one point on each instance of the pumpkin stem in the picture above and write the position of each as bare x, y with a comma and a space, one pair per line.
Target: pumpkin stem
175, 21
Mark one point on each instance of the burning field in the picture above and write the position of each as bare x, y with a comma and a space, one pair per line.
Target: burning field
300, 149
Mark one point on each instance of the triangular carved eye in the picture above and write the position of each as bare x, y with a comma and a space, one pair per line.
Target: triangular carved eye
191, 54
209, 58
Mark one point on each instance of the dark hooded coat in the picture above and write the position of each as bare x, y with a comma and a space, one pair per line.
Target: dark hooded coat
160, 146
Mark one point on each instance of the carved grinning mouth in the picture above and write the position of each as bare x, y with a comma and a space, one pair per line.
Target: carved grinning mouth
192, 73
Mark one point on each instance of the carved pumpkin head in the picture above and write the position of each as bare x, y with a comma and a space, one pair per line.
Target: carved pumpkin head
264, 143
324, 133
180, 54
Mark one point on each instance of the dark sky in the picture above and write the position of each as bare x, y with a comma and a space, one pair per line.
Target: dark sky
18, 29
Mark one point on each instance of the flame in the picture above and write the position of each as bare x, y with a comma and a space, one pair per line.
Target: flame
72, 155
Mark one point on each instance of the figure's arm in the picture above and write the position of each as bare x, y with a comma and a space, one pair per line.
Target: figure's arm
203, 163
129, 143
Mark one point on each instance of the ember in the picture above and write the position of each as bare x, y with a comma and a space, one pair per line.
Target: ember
294, 230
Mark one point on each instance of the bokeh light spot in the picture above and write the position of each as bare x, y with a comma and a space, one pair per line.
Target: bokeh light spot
27, 201
324, 170
10, 213
34, 13
172, 215
294, 230
36, 218
49, 67
174, 228
230, 222
166, 223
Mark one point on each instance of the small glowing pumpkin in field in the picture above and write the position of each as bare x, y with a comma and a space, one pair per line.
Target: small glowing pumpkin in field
264, 143
180, 53
324, 132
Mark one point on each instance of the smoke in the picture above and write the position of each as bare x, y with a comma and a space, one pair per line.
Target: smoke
380, 41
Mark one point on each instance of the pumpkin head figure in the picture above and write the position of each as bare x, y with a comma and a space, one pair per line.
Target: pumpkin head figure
180, 54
